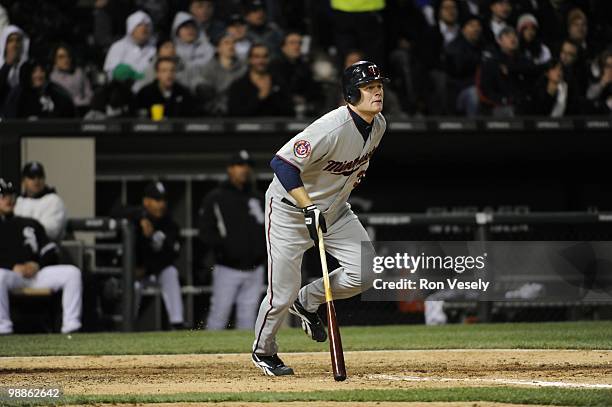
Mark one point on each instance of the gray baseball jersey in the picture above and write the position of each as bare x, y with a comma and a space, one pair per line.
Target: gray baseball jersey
332, 158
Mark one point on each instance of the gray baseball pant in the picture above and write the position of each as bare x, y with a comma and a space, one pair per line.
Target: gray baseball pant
232, 286
287, 239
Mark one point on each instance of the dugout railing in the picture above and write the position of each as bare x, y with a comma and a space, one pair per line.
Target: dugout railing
85, 250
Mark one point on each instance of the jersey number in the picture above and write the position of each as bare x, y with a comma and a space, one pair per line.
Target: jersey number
360, 176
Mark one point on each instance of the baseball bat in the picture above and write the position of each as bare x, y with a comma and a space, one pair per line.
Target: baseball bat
335, 342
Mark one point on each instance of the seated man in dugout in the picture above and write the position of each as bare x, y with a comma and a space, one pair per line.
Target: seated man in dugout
157, 248
29, 260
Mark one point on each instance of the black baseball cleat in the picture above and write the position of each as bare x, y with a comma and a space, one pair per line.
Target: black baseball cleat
311, 323
271, 365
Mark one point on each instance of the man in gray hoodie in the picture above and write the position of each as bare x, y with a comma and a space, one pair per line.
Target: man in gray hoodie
193, 49
214, 79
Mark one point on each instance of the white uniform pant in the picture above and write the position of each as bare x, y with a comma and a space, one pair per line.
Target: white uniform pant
232, 286
168, 281
62, 277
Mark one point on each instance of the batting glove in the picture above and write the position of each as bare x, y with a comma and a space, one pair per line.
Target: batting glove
314, 219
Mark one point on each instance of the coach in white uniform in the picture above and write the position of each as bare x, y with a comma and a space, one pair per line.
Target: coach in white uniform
315, 173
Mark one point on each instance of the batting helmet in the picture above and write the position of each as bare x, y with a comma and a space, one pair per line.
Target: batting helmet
357, 74
6, 188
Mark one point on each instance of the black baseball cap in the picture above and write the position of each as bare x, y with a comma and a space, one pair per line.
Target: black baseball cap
33, 169
155, 190
6, 188
241, 157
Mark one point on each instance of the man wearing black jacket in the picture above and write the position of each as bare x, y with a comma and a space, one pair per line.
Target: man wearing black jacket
157, 248
165, 90
259, 92
232, 226
505, 77
463, 57
36, 96
27, 259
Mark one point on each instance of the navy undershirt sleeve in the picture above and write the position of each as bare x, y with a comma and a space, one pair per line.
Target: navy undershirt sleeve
287, 174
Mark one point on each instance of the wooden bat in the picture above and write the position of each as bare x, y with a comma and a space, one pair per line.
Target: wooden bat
335, 342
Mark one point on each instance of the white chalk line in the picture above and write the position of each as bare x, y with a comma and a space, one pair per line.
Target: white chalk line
536, 383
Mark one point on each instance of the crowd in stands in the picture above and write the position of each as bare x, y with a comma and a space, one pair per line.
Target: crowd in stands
208, 58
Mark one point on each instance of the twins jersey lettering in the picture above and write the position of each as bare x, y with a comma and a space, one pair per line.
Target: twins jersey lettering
332, 158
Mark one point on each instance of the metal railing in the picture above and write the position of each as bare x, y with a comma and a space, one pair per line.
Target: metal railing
127, 233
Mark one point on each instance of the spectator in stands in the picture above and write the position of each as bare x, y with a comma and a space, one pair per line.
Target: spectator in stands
448, 22
463, 57
195, 51
187, 77
577, 31
37, 97
232, 227
505, 76
14, 45
260, 30
216, 77
135, 49
574, 70
40, 201
295, 69
237, 28
29, 259
203, 11
115, 99
71, 77
258, 92
157, 248
600, 90
176, 99
500, 15
552, 96
359, 25
531, 46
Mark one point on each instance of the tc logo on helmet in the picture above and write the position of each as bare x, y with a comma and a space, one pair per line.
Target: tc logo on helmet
373, 70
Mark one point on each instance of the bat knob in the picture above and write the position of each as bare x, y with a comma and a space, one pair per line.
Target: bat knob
340, 378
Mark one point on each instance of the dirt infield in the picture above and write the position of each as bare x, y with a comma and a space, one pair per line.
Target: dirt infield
336, 404
158, 374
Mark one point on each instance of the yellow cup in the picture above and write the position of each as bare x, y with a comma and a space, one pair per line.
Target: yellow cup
157, 112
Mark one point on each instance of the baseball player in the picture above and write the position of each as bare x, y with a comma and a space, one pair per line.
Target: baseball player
27, 259
315, 173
